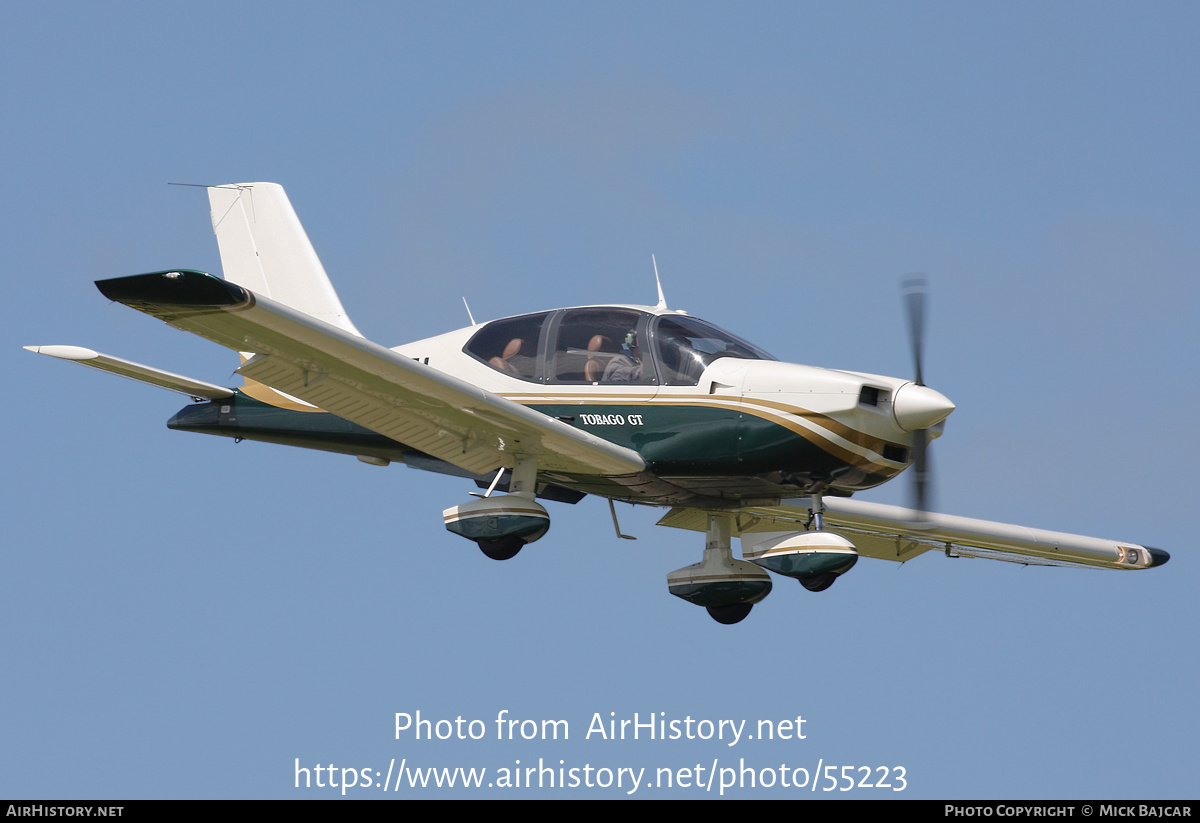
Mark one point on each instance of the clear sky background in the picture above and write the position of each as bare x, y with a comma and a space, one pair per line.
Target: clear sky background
185, 616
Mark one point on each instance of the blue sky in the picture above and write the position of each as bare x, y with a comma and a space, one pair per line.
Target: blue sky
186, 617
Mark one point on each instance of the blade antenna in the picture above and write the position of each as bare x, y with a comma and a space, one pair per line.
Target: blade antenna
468, 308
662, 301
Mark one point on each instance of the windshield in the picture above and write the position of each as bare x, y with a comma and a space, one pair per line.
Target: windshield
685, 346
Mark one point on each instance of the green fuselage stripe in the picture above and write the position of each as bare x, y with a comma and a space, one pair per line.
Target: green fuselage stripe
688, 439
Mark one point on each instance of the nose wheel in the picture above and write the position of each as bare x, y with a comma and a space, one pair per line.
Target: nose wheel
725, 587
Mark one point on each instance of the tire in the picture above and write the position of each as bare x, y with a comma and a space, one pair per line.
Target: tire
817, 582
731, 613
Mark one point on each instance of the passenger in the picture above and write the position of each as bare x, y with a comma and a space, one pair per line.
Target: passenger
593, 369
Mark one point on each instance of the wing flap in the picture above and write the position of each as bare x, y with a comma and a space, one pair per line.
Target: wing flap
366, 383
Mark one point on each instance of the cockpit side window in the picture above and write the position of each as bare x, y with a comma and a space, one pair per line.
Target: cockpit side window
601, 346
685, 346
510, 346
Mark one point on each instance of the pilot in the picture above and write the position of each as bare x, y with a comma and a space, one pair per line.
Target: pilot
625, 367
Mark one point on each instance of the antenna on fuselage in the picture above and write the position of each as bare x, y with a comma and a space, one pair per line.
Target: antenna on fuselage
662, 301
468, 308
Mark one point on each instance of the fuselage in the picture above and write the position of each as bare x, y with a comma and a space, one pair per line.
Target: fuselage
715, 418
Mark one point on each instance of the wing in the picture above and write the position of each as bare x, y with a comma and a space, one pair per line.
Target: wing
136, 371
346, 374
895, 533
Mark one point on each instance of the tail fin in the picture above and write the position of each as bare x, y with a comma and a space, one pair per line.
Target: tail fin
264, 248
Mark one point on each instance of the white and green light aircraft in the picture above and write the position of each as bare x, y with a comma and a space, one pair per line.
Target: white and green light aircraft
634, 403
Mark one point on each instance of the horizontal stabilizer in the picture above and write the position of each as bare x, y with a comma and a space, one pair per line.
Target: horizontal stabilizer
136, 371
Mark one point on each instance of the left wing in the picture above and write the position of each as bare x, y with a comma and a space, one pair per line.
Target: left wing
900, 534
346, 374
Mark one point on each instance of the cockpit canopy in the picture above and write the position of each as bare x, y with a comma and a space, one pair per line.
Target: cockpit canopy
606, 344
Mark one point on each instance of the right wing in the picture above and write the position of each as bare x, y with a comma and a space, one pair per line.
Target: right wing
341, 372
900, 534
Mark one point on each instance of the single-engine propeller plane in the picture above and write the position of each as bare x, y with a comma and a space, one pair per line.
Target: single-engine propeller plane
633, 403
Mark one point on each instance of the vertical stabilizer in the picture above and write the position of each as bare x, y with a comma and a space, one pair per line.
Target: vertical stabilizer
264, 248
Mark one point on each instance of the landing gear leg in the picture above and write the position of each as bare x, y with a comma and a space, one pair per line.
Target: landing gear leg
816, 511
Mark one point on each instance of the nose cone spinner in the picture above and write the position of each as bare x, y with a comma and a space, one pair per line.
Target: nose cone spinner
920, 407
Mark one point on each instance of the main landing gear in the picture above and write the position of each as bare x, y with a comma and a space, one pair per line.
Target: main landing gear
814, 558
502, 525
817, 582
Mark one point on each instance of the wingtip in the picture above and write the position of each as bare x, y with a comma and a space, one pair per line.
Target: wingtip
176, 287
1158, 557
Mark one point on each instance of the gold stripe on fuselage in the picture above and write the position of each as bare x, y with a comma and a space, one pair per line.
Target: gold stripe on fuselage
857, 448
819, 429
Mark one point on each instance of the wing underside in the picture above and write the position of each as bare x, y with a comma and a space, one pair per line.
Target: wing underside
900, 534
347, 375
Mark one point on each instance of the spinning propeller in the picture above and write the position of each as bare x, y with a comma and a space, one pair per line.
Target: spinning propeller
917, 407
